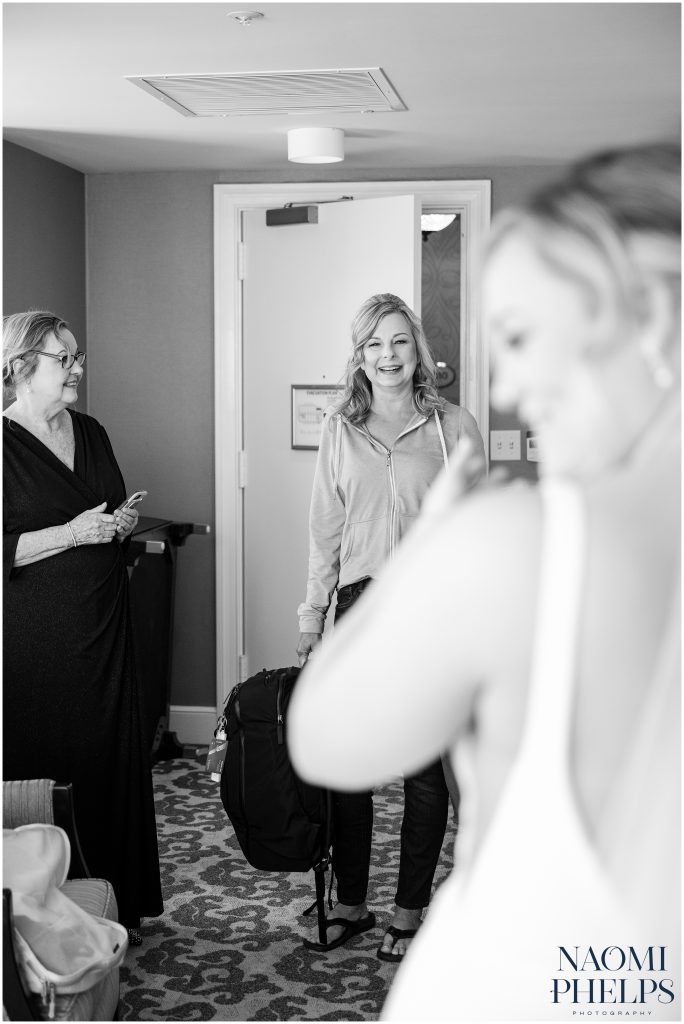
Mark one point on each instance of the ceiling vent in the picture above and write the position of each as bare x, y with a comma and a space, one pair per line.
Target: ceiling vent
274, 92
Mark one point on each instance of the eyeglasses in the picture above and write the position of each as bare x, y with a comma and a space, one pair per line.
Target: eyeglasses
67, 360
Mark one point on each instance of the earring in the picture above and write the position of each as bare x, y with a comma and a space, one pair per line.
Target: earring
658, 366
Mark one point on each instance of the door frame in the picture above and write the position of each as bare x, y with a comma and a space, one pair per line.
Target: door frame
471, 200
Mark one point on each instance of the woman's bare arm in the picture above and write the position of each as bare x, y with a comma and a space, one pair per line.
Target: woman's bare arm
39, 544
94, 526
399, 677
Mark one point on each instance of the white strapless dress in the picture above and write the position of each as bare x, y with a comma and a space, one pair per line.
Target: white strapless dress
490, 947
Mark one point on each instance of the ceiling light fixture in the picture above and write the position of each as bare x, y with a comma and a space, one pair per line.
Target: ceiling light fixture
245, 18
315, 145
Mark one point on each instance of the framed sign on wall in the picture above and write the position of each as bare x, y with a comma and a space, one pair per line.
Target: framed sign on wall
309, 402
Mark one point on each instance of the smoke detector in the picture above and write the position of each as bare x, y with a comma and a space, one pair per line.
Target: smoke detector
245, 18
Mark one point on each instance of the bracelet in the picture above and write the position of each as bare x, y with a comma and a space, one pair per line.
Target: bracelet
68, 526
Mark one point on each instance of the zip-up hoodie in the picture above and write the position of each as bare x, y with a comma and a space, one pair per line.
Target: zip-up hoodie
365, 497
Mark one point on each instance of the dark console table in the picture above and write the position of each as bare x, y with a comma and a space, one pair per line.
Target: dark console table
151, 560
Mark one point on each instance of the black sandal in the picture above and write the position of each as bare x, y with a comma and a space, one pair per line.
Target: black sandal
396, 933
351, 928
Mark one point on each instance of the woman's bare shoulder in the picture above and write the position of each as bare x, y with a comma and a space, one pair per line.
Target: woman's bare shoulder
498, 513
492, 536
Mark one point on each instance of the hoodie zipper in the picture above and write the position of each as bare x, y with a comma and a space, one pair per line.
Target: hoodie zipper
393, 500
390, 472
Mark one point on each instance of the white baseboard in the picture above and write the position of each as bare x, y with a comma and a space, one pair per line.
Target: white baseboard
192, 724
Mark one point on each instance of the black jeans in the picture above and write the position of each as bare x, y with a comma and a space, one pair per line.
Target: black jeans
426, 809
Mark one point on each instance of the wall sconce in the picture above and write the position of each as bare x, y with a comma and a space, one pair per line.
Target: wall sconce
315, 145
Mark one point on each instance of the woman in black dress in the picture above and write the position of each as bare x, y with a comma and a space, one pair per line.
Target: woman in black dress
73, 709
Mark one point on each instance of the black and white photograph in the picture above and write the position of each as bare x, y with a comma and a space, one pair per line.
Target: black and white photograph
341, 511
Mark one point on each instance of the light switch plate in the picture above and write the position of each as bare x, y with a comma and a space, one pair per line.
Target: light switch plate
504, 444
532, 446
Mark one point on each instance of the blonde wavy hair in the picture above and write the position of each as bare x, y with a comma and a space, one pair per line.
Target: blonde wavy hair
356, 399
612, 204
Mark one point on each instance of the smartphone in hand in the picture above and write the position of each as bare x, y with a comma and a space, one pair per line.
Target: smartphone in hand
134, 499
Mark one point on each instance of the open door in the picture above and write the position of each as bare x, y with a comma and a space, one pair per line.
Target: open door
301, 286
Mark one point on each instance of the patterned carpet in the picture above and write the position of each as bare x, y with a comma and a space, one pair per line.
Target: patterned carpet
228, 945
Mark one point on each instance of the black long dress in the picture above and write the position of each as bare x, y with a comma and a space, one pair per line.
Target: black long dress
73, 710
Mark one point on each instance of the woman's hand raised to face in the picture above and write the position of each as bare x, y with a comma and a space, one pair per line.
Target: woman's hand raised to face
466, 468
94, 526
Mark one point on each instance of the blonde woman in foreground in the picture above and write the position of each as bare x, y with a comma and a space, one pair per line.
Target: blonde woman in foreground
535, 631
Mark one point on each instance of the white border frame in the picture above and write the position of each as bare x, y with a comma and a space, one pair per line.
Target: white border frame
471, 200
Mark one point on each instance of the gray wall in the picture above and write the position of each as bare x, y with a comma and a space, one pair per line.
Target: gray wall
44, 260
150, 319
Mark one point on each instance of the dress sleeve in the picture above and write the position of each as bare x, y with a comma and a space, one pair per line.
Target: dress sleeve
110, 452
9, 550
326, 521
10, 534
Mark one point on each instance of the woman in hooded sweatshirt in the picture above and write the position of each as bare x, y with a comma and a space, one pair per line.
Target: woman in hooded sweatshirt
381, 448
